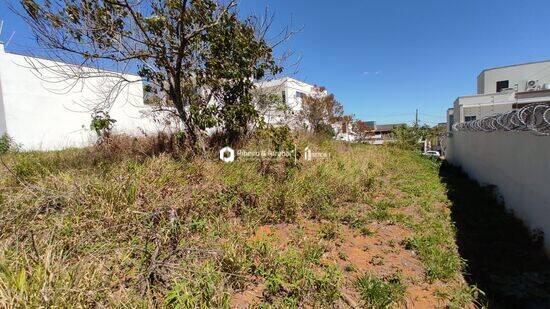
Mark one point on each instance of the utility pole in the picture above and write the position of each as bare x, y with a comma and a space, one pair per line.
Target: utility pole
416, 119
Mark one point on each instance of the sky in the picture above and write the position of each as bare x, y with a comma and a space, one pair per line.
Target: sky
385, 59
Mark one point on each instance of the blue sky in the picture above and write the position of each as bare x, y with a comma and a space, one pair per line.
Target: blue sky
384, 59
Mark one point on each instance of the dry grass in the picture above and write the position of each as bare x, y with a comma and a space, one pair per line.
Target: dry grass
129, 225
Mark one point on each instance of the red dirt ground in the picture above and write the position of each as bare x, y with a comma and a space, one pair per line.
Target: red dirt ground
381, 253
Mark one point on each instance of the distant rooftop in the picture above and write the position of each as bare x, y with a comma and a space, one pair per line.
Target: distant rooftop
514, 65
280, 81
387, 127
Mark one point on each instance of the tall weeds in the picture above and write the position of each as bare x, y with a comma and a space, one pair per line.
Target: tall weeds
134, 225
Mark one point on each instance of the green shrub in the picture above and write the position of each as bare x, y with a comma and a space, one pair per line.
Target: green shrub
5, 144
280, 138
102, 123
440, 260
324, 130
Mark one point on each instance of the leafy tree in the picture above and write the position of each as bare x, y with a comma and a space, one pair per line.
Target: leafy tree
271, 107
362, 129
325, 130
345, 121
436, 136
410, 136
197, 56
320, 109
406, 136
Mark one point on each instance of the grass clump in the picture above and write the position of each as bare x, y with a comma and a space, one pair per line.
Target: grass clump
462, 296
293, 277
204, 288
383, 292
329, 231
440, 261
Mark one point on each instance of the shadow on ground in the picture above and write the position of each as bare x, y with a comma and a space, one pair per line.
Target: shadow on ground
504, 258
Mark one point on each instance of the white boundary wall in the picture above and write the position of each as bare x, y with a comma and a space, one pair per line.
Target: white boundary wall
41, 115
518, 163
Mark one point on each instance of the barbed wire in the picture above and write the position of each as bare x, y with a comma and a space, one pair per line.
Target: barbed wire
533, 118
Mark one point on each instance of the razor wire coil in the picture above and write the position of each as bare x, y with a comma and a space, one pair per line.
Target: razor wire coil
533, 118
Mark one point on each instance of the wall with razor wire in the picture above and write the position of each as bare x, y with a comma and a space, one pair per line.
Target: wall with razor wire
512, 152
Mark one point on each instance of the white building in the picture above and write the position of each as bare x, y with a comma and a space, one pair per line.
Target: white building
39, 111
519, 77
450, 118
502, 89
382, 133
290, 92
344, 131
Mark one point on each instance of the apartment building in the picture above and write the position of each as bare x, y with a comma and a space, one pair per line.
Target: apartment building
289, 92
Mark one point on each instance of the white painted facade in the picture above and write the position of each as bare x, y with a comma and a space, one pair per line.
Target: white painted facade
40, 114
290, 91
479, 106
450, 118
344, 132
515, 76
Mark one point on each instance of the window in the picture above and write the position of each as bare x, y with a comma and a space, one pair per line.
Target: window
503, 84
469, 118
283, 95
300, 95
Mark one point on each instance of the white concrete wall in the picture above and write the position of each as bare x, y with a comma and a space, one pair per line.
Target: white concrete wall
517, 75
3, 128
517, 163
41, 115
481, 83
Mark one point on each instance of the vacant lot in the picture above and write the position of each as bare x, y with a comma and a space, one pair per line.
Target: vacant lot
370, 226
